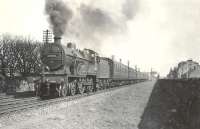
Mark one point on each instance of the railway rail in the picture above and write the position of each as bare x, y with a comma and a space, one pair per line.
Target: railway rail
31, 103
4, 97
17, 101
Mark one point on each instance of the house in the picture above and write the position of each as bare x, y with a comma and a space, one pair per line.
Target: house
185, 68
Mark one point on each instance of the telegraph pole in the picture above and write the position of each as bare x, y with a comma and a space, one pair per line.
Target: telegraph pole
128, 69
120, 60
136, 71
47, 36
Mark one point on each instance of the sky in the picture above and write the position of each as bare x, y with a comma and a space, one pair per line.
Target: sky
149, 33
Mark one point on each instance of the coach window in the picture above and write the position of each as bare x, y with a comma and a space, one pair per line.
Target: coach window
118, 68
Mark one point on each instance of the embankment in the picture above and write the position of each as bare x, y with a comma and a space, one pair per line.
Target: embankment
173, 104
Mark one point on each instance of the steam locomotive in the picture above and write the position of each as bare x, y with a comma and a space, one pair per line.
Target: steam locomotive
69, 71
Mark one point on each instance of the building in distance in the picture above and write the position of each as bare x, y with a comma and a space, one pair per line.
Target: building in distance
185, 69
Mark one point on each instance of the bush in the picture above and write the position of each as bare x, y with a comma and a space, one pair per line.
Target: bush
174, 104
19, 56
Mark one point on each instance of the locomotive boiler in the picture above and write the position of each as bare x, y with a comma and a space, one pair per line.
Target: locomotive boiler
68, 71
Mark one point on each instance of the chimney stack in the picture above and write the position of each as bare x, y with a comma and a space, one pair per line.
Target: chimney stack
57, 40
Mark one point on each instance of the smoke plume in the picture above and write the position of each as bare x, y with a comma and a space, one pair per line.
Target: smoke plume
59, 15
97, 19
129, 9
92, 22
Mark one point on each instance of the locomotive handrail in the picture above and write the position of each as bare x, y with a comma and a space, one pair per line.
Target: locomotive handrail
46, 74
78, 57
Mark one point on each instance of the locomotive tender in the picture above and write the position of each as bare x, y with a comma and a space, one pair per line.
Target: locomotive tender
68, 71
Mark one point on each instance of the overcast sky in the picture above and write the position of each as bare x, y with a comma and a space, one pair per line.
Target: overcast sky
150, 33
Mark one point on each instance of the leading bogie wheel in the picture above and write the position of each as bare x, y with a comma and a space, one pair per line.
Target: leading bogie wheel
64, 90
73, 88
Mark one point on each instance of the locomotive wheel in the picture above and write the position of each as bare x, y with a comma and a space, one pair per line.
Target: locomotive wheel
108, 84
64, 91
2, 84
105, 84
101, 87
81, 88
97, 86
37, 90
73, 88
90, 88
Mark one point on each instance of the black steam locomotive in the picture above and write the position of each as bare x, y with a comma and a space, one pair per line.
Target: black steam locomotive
68, 71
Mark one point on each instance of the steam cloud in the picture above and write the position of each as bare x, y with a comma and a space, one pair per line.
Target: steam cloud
129, 9
94, 24
103, 22
90, 24
97, 19
59, 15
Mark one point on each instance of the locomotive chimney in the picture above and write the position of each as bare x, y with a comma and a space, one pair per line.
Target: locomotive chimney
57, 40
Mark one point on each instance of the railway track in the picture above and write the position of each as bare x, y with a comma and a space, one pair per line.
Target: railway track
31, 103
17, 101
4, 97
13, 99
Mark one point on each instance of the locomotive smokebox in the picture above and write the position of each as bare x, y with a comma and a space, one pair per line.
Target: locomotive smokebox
57, 40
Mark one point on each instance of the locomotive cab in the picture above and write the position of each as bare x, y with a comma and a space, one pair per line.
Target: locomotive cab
92, 55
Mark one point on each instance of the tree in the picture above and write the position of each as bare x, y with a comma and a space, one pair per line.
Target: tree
19, 55
173, 73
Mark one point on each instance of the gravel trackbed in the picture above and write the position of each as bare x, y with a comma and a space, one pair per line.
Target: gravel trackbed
117, 109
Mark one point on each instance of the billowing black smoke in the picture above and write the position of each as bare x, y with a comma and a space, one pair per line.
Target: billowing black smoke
59, 15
